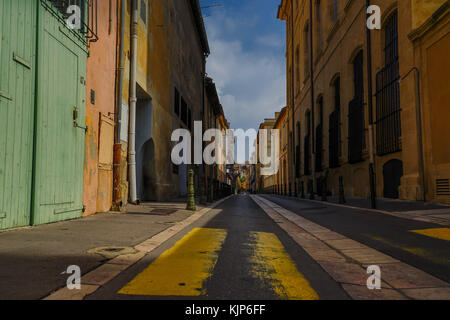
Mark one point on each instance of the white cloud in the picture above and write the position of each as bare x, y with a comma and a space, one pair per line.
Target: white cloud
270, 40
250, 80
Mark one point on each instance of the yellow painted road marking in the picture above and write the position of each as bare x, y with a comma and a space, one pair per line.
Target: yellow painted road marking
271, 262
439, 233
183, 269
422, 252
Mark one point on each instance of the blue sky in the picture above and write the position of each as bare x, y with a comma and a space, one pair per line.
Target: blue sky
247, 59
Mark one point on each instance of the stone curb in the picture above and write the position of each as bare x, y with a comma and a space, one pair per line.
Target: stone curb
101, 275
346, 261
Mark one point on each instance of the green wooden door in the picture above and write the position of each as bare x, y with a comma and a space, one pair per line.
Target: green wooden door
17, 72
58, 183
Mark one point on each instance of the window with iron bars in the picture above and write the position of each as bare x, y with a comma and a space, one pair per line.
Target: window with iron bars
356, 113
307, 146
319, 137
88, 30
388, 113
335, 147
297, 153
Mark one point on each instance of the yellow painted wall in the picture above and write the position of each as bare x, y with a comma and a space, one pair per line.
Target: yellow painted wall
166, 59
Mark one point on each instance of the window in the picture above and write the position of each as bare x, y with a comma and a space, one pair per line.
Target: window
335, 11
307, 145
184, 111
319, 25
189, 124
176, 102
388, 94
297, 152
356, 112
297, 66
306, 51
319, 136
144, 11
337, 107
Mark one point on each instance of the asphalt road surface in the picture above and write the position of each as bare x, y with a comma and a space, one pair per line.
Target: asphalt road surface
237, 252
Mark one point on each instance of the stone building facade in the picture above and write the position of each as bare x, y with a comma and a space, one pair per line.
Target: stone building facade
172, 50
334, 133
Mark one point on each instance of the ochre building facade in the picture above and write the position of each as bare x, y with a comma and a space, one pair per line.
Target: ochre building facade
334, 134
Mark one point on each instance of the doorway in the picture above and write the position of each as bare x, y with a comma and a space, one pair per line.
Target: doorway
145, 147
392, 174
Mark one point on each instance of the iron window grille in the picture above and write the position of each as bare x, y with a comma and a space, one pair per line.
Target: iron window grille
356, 130
298, 153
335, 146
184, 111
176, 104
307, 161
334, 126
388, 122
59, 9
319, 147
319, 138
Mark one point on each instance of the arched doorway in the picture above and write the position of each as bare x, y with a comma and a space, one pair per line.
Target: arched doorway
392, 174
145, 148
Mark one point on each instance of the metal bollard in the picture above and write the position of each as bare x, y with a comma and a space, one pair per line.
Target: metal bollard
191, 192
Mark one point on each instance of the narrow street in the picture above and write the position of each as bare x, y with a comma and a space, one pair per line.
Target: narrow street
236, 253
210, 151
239, 252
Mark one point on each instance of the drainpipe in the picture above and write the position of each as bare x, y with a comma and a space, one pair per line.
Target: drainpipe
118, 111
311, 70
133, 100
121, 69
419, 130
373, 190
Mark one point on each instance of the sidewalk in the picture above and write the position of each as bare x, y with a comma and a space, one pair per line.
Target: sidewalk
415, 210
34, 258
347, 260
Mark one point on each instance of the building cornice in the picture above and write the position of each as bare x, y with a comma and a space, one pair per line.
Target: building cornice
435, 18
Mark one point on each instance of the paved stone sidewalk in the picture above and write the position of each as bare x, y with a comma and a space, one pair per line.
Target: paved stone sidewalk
33, 259
415, 210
